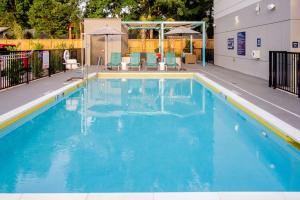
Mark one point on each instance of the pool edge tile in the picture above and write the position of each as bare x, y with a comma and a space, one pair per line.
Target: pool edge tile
54, 196
186, 196
291, 195
251, 196
120, 196
10, 196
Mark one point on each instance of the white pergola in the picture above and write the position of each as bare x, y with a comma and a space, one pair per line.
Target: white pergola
161, 26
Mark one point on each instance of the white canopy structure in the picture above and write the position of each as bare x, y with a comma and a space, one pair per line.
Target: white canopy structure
161, 26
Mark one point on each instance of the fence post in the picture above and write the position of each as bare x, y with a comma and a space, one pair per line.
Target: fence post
50, 64
285, 67
274, 70
270, 68
0, 72
27, 71
298, 75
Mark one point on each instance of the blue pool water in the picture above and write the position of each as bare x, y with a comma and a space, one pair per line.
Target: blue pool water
142, 136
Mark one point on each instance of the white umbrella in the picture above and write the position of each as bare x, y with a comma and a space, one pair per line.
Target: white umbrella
182, 31
107, 30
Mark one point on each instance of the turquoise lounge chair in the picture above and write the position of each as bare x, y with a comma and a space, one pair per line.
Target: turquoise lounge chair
151, 61
171, 61
115, 60
135, 61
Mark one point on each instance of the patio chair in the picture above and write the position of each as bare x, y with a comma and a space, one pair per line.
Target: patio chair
151, 61
171, 61
135, 61
115, 60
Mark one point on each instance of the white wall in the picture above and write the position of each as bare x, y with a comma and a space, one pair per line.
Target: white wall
277, 29
114, 41
295, 23
225, 7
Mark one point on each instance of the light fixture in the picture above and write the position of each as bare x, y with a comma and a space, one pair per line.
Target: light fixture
271, 6
236, 128
214, 25
257, 8
264, 134
237, 20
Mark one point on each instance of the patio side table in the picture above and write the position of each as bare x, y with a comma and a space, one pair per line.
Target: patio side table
162, 66
123, 66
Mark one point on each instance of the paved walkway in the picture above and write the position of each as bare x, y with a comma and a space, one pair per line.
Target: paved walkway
281, 104
14, 97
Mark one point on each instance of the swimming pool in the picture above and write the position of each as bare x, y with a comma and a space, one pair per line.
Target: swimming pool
145, 135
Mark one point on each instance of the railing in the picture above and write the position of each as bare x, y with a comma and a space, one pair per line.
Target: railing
20, 67
284, 71
209, 55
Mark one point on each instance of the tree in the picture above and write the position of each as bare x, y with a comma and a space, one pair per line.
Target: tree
50, 17
21, 12
124, 9
200, 10
15, 11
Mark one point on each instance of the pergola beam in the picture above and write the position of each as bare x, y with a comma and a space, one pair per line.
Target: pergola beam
162, 25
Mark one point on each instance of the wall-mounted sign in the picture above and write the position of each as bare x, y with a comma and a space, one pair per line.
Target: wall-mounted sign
45, 59
295, 45
258, 42
230, 43
241, 43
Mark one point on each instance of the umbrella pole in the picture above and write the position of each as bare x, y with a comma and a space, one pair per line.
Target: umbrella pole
181, 53
106, 59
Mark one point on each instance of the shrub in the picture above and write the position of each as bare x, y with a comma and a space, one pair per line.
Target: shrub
38, 46
15, 72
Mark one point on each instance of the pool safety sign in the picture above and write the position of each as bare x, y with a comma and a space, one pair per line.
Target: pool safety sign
230, 43
241, 43
45, 59
258, 42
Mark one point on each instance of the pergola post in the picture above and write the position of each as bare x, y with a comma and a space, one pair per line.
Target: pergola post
191, 44
203, 44
160, 25
162, 41
159, 40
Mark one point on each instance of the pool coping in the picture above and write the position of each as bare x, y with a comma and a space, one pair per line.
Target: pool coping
154, 196
283, 129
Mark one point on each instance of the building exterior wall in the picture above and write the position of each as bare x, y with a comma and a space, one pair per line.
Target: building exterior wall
95, 45
277, 29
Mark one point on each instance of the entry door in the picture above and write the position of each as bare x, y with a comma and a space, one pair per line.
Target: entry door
97, 49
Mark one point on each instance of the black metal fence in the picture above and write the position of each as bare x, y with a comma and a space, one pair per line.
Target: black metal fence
18, 67
209, 55
284, 71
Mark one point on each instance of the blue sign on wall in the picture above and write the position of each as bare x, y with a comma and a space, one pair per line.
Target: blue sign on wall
241, 43
295, 44
258, 42
230, 43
